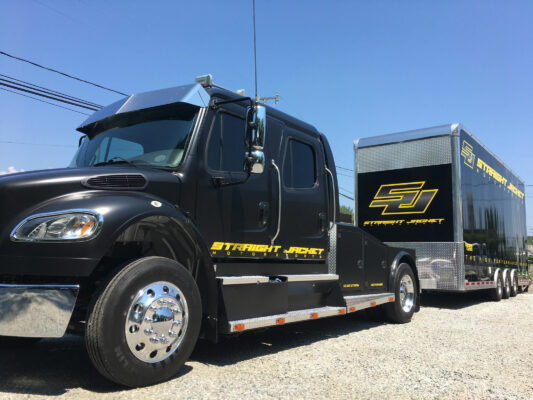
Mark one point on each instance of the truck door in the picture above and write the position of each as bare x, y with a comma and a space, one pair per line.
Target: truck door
304, 197
232, 207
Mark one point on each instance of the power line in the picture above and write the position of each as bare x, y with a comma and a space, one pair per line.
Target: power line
348, 197
37, 144
30, 85
14, 86
61, 73
346, 169
43, 101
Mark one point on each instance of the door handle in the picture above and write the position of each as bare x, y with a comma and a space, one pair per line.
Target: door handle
322, 217
264, 211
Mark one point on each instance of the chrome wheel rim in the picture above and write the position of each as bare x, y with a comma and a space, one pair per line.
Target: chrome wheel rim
515, 284
407, 293
156, 322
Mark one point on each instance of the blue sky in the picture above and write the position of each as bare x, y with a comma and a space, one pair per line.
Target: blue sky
351, 68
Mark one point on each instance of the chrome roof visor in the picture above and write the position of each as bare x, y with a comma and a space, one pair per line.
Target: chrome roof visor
193, 94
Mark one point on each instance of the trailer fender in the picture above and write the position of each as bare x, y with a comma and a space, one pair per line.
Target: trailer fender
497, 273
402, 256
513, 274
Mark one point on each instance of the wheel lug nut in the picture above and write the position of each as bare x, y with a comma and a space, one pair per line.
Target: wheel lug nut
149, 331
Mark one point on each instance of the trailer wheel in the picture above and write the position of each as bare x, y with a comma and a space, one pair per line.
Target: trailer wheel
405, 291
506, 287
497, 292
144, 323
514, 286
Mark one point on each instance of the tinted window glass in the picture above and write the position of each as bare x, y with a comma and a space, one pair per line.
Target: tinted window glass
299, 166
226, 147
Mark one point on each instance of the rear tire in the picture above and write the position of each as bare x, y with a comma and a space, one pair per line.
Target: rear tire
506, 287
144, 323
497, 292
514, 286
405, 291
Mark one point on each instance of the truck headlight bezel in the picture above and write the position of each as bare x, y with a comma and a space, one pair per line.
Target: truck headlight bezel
67, 229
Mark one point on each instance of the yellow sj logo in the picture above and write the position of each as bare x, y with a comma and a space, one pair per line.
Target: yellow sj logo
403, 198
468, 154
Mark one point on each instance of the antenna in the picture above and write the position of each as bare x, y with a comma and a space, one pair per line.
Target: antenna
255, 54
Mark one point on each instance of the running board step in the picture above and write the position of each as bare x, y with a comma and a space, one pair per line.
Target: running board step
251, 279
281, 319
357, 303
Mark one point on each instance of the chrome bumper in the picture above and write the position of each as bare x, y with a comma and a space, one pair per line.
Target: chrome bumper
36, 310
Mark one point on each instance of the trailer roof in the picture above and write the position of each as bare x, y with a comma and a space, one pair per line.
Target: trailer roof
440, 130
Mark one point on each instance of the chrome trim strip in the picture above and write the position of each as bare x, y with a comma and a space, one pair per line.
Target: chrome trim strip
36, 310
243, 280
477, 285
279, 203
334, 200
311, 277
94, 213
361, 302
290, 317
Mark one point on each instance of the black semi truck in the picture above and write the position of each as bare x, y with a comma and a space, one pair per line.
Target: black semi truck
440, 191
186, 212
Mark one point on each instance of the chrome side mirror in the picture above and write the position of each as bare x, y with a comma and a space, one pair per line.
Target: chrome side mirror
255, 137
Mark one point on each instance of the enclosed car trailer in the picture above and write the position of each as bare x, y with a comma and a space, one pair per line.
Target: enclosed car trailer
441, 192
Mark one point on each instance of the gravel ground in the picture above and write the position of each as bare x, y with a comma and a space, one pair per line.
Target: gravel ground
457, 346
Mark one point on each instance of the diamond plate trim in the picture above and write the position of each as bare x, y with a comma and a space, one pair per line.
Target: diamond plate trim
440, 264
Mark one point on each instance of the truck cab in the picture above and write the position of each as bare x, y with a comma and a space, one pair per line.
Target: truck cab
186, 212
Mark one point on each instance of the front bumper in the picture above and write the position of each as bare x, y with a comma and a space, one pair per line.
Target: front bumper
36, 310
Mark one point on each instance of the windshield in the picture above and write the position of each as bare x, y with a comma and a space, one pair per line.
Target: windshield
157, 137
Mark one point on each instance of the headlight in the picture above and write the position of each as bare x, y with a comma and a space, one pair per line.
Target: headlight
62, 226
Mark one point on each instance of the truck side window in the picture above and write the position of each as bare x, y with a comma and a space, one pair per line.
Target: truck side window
299, 166
226, 146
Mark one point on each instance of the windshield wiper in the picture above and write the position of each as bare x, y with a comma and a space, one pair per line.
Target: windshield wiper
115, 160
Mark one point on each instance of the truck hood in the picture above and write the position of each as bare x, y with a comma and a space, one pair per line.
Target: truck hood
25, 193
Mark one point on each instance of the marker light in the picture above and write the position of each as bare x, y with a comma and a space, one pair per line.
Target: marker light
69, 225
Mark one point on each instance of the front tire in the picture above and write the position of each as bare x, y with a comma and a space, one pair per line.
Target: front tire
144, 324
402, 309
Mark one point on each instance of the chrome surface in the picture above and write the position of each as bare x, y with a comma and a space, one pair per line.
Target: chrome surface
259, 131
366, 301
41, 311
404, 154
334, 200
96, 214
291, 316
407, 293
156, 322
193, 94
440, 264
279, 203
457, 203
311, 277
258, 161
243, 280
404, 136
